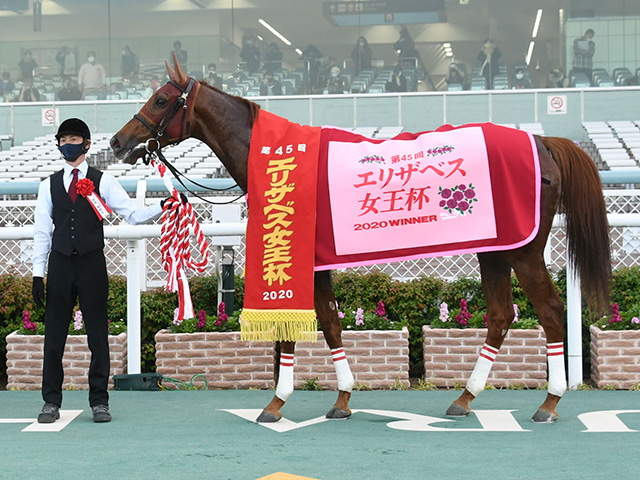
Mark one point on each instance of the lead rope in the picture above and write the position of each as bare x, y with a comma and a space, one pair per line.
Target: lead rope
176, 219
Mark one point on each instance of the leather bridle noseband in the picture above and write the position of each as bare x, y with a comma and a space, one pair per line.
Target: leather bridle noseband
182, 102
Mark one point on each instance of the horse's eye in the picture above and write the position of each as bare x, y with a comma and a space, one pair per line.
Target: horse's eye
161, 102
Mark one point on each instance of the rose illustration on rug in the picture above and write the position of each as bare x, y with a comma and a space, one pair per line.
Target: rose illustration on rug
459, 198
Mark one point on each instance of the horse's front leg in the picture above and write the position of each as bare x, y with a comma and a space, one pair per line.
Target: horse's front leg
325, 304
271, 413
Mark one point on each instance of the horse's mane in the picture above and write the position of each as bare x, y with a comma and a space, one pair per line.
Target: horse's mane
253, 107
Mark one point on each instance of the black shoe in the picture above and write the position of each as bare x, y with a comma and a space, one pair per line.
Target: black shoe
101, 413
50, 413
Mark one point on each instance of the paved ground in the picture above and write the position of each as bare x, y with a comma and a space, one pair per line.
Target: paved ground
391, 435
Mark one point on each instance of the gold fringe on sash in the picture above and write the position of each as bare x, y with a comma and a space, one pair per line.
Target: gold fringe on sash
278, 325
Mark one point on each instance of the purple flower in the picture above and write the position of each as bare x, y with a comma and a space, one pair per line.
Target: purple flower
77, 322
451, 203
218, 322
26, 321
515, 310
635, 320
444, 312
462, 187
380, 310
359, 316
202, 318
446, 193
615, 309
443, 203
458, 196
340, 314
463, 206
484, 319
469, 193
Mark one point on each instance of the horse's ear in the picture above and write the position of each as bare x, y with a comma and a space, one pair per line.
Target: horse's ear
170, 71
181, 77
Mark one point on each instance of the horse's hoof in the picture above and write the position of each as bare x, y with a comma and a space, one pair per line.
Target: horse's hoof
456, 410
544, 416
338, 413
267, 417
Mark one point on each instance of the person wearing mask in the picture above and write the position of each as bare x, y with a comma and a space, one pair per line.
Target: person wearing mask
456, 75
68, 243
270, 86
129, 64
69, 91
181, 55
583, 50
250, 53
397, 81
520, 79
406, 50
336, 84
361, 55
92, 78
27, 66
213, 78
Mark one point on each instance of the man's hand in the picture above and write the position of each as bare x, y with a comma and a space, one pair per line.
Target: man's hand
37, 290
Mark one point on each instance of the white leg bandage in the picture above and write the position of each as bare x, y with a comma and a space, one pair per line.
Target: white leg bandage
478, 378
557, 376
285, 379
343, 372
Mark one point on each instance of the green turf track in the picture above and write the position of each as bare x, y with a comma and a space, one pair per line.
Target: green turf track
185, 435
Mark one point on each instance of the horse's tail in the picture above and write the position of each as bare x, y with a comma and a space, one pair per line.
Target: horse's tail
587, 233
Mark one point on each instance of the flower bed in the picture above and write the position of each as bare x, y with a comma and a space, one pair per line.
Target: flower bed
450, 355
25, 354
615, 357
378, 359
224, 360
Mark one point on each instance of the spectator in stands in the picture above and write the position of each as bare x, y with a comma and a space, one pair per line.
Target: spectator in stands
313, 58
69, 233
583, 50
520, 79
361, 55
270, 85
69, 91
213, 78
154, 84
488, 58
336, 84
250, 53
67, 61
6, 85
324, 72
456, 75
27, 66
397, 81
181, 55
129, 64
557, 79
92, 79
405, 48
28, 93
273, 58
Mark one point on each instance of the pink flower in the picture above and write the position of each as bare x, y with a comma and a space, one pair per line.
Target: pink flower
359, 316
223, 317
380, 310
218, 322
77, 321
615, 309
444, 312
484, 319
26, 321
176, 321
340, 314
464, 316
202, 318
635, 320
515, 310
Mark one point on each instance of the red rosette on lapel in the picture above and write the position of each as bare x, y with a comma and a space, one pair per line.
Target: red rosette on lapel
86, 188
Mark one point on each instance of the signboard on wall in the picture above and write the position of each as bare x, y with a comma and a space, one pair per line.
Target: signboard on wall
556, 104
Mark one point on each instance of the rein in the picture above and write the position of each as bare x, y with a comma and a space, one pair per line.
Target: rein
159, 130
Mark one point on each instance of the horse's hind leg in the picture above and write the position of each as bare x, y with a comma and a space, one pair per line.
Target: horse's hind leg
325, 304
537, 284
496, 285
271, 413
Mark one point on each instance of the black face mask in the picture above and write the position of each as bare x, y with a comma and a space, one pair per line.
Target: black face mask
71, 151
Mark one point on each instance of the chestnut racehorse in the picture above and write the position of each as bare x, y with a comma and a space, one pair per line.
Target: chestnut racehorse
570, 182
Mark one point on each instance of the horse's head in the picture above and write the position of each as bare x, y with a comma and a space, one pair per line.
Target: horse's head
165, 119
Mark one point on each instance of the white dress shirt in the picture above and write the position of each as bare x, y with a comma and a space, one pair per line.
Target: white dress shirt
110, 191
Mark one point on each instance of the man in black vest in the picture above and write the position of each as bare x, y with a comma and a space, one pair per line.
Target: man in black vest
68, 230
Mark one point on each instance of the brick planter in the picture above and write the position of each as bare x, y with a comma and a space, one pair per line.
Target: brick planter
225, 360
378, 358
615, 357
451, 354
25, 354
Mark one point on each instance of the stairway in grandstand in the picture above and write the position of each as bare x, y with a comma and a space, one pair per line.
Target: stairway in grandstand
613, 145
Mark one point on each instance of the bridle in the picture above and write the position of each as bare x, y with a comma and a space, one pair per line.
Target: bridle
184, 102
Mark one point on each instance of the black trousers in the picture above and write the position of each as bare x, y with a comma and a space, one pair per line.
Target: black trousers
70, 278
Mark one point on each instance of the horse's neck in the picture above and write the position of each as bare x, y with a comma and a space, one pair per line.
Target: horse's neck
221, 121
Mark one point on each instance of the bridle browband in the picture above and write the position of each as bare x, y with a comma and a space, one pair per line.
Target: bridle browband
159, 130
